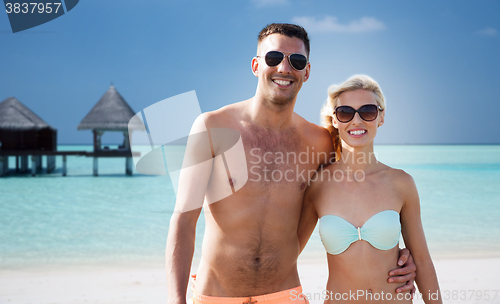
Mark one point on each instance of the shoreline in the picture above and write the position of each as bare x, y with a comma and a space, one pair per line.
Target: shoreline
146, 282
306, 257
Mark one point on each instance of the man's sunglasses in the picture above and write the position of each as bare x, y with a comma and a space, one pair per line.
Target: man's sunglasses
367, 112
274, 58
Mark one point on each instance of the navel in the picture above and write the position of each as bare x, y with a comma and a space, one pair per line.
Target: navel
302, 186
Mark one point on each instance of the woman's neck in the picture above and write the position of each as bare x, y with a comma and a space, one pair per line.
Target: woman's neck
358, 158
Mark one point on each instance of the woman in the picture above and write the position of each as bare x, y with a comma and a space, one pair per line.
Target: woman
364, 205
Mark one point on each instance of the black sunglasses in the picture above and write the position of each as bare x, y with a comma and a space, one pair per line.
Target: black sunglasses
368, 112
274, 58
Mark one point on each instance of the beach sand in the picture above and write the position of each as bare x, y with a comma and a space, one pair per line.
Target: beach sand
147, 284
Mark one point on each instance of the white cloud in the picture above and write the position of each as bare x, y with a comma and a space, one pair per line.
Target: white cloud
489, 31
261, 3
330, 24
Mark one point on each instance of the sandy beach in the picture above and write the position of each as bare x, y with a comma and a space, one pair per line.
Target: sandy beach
464, 280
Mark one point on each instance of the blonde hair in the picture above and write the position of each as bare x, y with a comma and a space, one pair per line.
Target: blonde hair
356, 82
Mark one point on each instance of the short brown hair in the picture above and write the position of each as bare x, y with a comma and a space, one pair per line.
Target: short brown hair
287, 29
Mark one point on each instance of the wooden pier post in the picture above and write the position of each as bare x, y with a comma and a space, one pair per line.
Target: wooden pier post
24, 163
64, 168
129, 170
51, 163
17, 163
4, 165
95, 166
33, 165
38, 163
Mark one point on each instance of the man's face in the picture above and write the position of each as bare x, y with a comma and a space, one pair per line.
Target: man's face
279, 85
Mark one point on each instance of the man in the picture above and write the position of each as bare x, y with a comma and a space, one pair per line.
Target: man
250, 246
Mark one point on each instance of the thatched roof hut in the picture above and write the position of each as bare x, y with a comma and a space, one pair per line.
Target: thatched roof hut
21, 129
16, 116
111, 113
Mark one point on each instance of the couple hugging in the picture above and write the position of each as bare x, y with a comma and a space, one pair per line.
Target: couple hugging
261, 210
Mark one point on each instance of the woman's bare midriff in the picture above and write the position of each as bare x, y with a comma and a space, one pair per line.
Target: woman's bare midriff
360, 274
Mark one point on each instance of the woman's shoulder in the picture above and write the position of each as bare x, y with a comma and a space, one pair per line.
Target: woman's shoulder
395, 173
402, 180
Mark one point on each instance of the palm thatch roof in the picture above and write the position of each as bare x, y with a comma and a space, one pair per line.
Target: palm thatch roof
17, 117
111, 112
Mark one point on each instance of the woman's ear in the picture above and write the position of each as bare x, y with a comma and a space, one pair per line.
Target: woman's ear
335, 123
381, 118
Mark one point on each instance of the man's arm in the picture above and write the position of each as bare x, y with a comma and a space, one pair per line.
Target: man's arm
193, 182
406, 274
308, 216
325, 152
179, 253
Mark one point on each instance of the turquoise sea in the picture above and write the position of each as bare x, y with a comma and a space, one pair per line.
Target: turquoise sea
119, 219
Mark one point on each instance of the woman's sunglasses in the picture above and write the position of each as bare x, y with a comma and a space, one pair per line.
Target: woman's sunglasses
274, 58
367, 112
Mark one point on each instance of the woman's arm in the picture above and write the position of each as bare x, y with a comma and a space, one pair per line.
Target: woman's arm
414, 238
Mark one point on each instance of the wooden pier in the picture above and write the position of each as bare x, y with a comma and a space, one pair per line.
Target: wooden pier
24, 157
28, 138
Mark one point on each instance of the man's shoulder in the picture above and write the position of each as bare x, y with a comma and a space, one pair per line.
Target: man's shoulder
309, 127
223, 117
312, 131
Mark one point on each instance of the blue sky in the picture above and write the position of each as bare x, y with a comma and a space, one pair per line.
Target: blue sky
437, 62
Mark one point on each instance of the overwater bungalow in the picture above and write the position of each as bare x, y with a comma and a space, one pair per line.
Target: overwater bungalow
111, 114
23, 133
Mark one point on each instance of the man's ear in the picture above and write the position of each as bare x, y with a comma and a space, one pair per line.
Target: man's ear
255, 66
308, 71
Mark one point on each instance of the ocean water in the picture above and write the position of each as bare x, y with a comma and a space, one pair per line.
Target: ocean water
114, 218
459, 189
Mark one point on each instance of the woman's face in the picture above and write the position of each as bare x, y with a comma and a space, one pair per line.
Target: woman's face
358, 132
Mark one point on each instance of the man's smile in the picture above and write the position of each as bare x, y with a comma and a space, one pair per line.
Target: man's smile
282, 82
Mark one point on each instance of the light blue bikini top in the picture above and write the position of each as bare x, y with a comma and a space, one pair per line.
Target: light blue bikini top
382, 231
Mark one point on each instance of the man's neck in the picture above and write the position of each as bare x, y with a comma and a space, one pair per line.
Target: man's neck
268, 115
